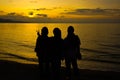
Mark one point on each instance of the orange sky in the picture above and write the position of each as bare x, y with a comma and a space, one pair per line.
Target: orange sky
75, 9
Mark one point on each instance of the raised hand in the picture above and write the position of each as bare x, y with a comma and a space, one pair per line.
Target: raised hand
38, 33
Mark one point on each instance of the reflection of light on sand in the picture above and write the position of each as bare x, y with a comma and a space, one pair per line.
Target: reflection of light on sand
27, 58
19, 60
91, 65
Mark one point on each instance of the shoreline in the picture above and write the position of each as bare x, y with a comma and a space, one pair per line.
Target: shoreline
10, 70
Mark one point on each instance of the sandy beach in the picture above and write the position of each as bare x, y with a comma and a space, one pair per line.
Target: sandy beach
16, 71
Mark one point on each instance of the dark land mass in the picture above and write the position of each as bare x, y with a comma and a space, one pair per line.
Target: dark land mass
10, 21
55, 21
16, 71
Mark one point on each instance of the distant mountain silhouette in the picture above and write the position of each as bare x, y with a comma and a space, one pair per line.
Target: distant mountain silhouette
40, 20
10, 21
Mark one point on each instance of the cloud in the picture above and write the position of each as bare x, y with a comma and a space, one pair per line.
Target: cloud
42, 9
2, 12
57, 7
41, 15
39, 9
46, 9
19, 17
13, 16
97, 11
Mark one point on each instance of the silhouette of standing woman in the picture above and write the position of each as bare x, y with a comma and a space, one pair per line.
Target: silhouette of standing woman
72, 51
42, 51
56, 53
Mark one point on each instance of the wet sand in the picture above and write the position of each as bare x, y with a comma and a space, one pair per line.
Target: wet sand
16, 71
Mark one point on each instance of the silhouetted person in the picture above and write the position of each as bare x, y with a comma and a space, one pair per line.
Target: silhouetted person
42, 51
56, 53
72, 51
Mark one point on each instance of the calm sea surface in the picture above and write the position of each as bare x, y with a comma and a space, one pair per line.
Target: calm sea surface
100, 43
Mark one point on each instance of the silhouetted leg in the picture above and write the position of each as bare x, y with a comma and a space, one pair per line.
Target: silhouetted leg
75, 66
41, 68
56, 70
47, 70
68, 67
53, 67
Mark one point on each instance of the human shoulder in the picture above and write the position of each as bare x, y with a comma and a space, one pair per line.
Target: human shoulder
77, 37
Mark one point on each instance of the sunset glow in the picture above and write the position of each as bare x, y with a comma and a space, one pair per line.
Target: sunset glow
61, 9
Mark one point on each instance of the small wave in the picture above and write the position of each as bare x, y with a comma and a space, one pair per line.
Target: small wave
10, 55
112, 45
22, 44
25, 45
104, 61
118, 35
93, 50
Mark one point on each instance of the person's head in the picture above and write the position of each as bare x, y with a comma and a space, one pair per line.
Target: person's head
57, 32
70, 30
44, 31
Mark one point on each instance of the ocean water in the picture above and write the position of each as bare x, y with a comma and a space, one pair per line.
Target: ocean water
100, 43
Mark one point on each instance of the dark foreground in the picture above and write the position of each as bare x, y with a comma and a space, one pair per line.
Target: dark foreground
16, 71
